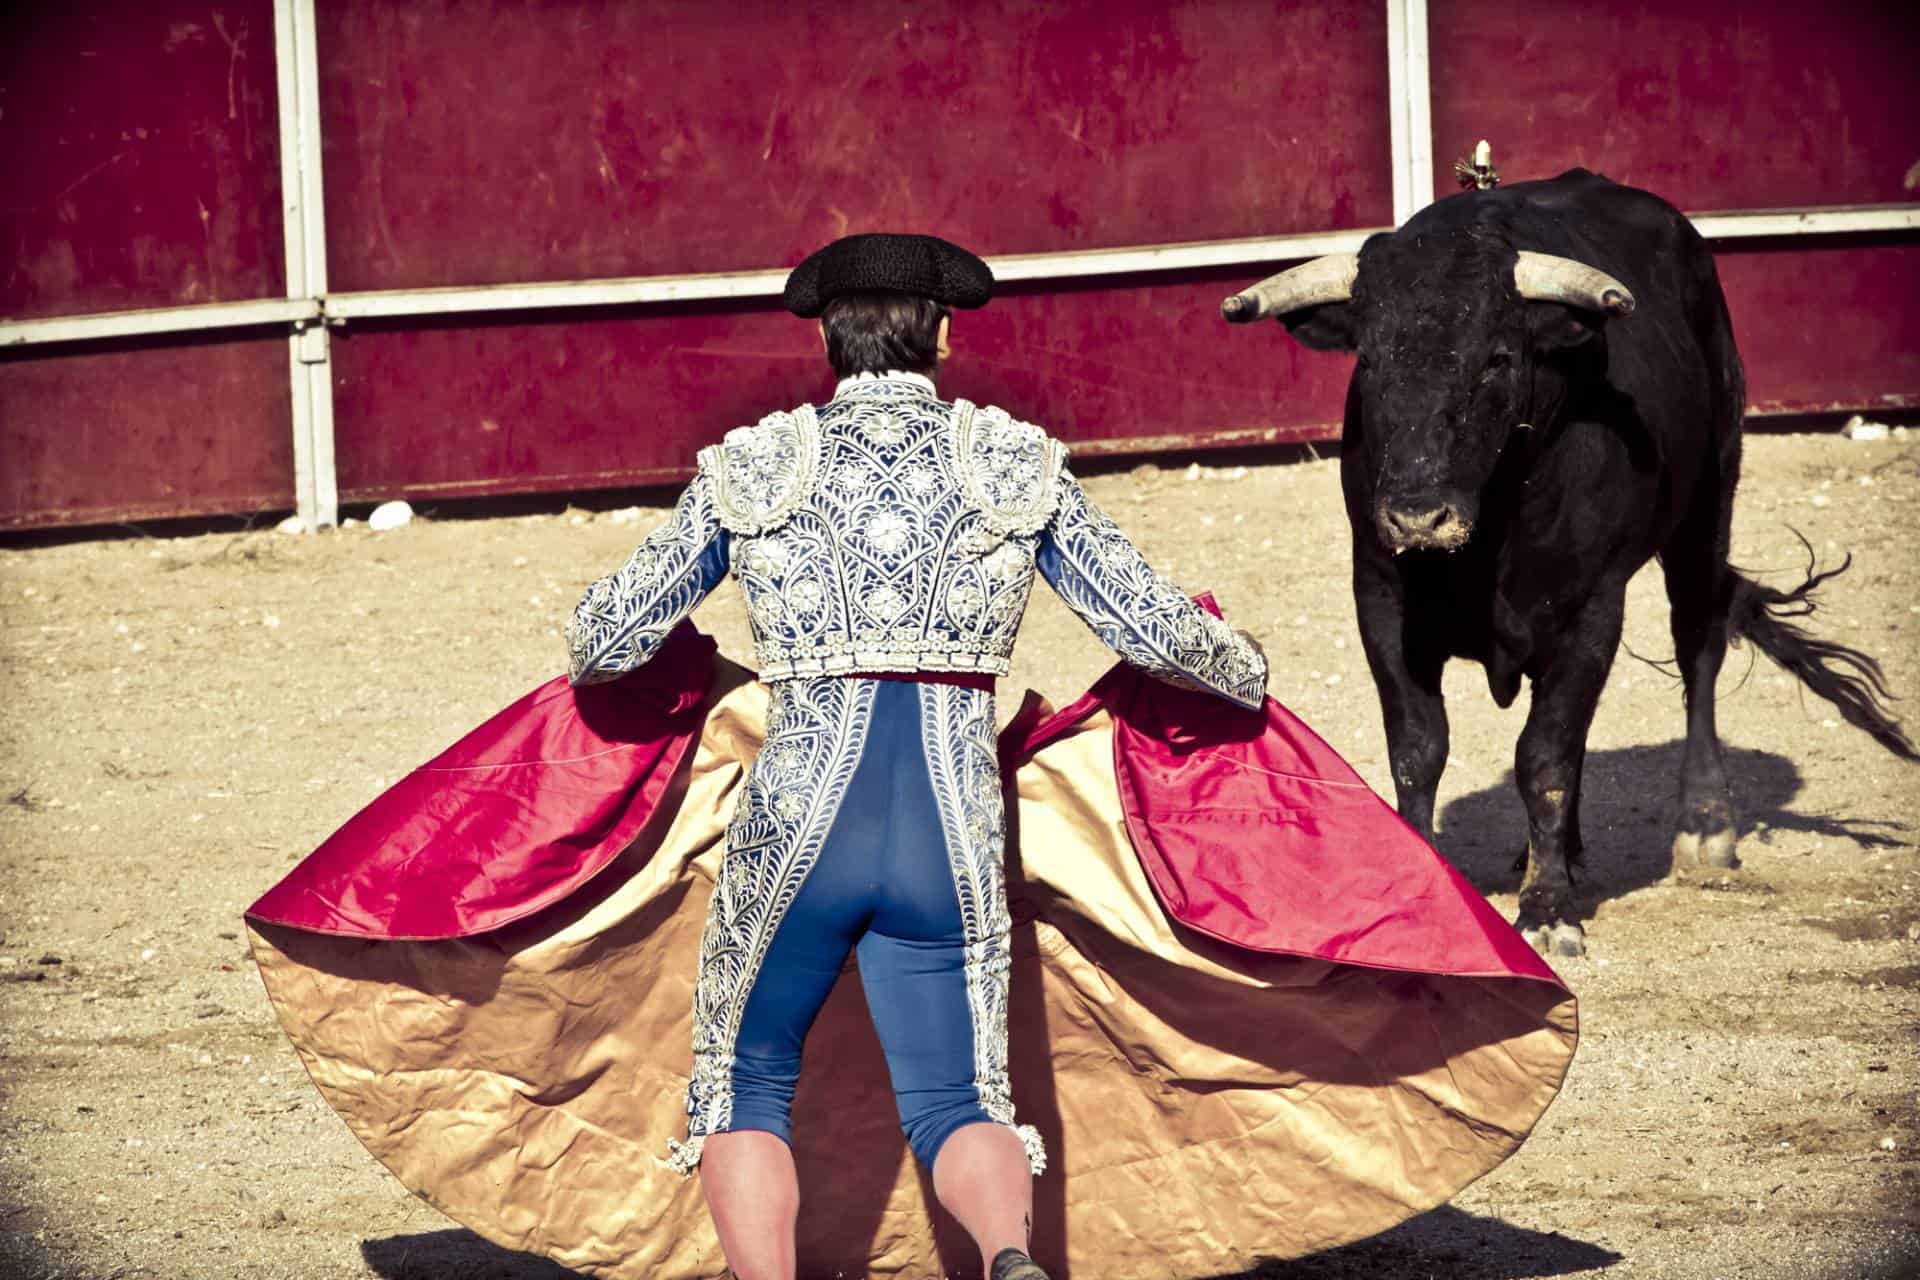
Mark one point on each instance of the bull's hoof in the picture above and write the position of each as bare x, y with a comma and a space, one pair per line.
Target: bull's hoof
1706, 849
1562, 938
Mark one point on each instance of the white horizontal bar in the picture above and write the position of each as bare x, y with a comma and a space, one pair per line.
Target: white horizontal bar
120, 324
768, 284
1079, 263
1840, 220
1176, 257
569, 293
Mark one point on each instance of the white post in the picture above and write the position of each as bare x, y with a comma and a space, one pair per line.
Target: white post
303, 215
1410, 107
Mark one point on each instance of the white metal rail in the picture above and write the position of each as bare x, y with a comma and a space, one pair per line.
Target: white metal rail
310, 373
628, 291
309, 307
1409, 108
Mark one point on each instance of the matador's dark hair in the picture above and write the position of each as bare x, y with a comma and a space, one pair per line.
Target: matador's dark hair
875, 332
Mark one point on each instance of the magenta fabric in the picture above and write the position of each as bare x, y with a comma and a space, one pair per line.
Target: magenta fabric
1256, 832
1251, 829
514, 816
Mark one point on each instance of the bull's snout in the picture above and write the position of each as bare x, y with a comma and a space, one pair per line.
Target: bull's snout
1441, 526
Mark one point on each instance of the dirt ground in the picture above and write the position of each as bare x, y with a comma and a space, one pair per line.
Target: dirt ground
187, 716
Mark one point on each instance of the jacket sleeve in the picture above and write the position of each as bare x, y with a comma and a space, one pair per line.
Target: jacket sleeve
1140, 615
623, 618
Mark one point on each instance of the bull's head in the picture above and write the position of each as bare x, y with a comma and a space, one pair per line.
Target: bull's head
1453, 333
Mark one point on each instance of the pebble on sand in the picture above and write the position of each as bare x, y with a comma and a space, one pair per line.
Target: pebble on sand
389, 516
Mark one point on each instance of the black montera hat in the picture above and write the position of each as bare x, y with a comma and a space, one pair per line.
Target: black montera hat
881, 262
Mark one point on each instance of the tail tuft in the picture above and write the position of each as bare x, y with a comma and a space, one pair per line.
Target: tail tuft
1849, 679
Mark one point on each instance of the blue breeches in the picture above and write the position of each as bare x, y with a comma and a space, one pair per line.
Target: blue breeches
884, 889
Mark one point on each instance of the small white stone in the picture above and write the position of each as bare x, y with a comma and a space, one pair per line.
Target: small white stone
625, 515
1193, 471
1888, 1144
1858, 428
148, 954
120, 629
291, 525
389, 516
270, 620
519, 562
1819, 500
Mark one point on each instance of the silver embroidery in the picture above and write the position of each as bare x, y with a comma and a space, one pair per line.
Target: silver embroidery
1008, 469
878, 566
1140, 615
904, 551
761, 474
956, 731
815, 732
622, 619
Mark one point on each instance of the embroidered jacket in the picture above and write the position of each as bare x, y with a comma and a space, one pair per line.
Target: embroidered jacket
891, 530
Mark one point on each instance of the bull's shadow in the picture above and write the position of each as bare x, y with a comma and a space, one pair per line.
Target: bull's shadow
1447, 1242
436, 1255
1628, 805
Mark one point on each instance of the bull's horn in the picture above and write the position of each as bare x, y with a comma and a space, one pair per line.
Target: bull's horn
1311, 284
1545, 278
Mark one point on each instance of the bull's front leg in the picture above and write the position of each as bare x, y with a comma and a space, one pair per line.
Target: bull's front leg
1548, 763
1406, 673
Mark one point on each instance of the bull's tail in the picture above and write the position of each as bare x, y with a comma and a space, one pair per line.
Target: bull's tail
1851, 680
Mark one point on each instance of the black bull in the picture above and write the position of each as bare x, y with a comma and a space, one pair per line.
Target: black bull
1522, 433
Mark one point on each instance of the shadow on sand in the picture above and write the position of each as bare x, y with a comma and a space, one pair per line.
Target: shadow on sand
437, 1255
1445, 1242
1628, 804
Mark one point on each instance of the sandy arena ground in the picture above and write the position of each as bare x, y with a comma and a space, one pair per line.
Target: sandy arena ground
187, 716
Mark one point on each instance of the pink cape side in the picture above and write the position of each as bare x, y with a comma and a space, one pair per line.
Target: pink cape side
513, 817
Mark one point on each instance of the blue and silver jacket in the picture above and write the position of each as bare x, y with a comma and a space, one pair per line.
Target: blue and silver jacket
892, 531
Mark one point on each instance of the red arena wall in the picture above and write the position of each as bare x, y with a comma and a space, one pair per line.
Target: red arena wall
498, 143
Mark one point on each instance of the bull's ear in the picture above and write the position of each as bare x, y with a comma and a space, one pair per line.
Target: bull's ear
1324, 328
1554, 327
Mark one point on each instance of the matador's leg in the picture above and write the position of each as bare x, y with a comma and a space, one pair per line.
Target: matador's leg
816, 731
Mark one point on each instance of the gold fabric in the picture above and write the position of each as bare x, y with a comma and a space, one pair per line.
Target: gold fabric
1203, 1107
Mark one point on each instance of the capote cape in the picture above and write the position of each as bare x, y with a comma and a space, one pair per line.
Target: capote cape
1253, 1013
